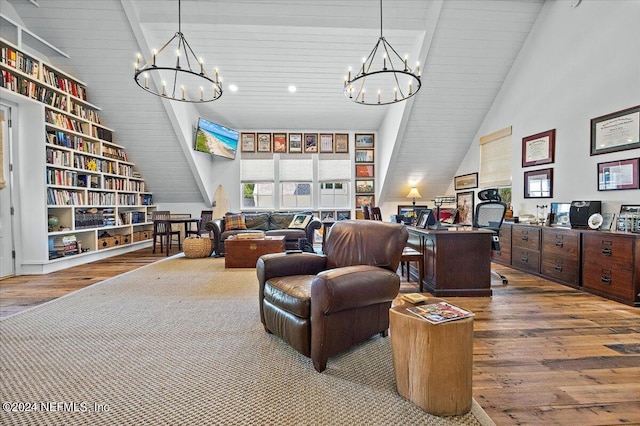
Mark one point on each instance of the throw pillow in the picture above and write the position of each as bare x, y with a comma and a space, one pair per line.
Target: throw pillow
300, 221
234, 221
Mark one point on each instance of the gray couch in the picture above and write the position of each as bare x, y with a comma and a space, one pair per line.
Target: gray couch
272, 223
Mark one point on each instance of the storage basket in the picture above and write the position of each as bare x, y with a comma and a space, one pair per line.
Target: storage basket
195, 247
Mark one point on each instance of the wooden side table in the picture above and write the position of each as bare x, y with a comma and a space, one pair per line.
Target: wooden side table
433, 363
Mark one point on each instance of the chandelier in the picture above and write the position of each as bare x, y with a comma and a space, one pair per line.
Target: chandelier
182, 73
384, 76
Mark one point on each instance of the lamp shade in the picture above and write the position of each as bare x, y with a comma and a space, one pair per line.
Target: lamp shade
413, 193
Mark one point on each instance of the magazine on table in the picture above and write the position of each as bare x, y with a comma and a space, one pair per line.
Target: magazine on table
437, 313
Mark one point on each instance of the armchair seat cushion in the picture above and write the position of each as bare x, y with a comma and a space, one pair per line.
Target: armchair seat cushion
292, 293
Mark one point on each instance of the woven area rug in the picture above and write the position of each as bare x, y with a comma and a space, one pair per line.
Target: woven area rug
180, 342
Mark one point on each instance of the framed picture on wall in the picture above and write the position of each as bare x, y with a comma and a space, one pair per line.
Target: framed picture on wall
311, 142
621, 174
539, 148
280, 142
364, 155
465, 206
343, 214
617, 131
326, 142
468, 181
295, 142
364, 140
538, 184
264, 142
342, 142
364, 200
364, 170
248, 142
364, 186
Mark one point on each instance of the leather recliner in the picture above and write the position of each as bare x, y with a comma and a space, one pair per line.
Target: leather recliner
322, 305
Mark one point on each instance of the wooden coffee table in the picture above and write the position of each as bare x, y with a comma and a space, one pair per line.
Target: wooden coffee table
433, 363
244, 253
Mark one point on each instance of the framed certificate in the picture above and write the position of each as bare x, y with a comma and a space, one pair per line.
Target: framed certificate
538, 149
617, 131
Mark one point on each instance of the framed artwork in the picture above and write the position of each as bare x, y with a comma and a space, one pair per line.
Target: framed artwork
364, 200
617, 131
364, 155
466, 181
364, 171
327, 215
326, 142
621, 174
248, 142
422, 219
539, 148
343, 214
342, 142
364, 186
279, 142
538, 184
364, 140
295, 142
310, 142
264, 142
464, 204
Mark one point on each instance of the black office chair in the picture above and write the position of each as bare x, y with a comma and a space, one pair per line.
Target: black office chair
490, 215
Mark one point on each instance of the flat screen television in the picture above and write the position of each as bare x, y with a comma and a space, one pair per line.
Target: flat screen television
216, 139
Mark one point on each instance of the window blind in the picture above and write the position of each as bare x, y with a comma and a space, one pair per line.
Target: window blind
296, 170
495, 159
329, 170
257, 170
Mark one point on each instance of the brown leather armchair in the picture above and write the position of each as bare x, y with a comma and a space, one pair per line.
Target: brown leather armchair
324, 304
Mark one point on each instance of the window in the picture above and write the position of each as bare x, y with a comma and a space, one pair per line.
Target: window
334, 194
257, 184
295, 195
257, 195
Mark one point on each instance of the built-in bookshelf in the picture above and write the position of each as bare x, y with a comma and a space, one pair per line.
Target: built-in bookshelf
93, 203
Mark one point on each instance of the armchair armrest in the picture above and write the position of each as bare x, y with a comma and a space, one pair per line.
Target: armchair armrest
217, 227
311, 227
350, 287
285, 264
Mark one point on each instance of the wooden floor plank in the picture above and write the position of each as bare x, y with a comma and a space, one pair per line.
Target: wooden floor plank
544, 354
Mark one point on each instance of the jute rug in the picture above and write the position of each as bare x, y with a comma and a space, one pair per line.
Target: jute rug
180, 342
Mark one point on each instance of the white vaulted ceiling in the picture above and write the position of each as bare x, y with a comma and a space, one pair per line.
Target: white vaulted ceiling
263, 46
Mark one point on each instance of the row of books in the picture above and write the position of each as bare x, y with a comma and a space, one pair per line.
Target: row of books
101, 199
104, 134
61, 197
84, 112
62, 177
32, 90
54, 79
66, 245
116, 153
74, 142
123, 185
127, 218
64, 121
88, 220
19, 61
58, 158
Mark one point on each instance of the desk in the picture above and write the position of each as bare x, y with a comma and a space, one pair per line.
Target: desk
457, 261
175, 220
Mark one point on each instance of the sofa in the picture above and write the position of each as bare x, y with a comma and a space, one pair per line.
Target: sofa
271, 223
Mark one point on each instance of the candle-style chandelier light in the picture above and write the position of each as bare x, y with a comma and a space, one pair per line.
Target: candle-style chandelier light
384, 77
182, 73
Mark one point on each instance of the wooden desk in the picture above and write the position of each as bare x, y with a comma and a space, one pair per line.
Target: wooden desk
457, 261
433, 364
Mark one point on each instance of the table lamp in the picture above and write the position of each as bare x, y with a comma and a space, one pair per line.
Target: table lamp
413, 193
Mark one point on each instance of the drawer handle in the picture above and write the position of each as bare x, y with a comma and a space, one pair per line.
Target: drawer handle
558, 268
525, 259
605, 280
559, 244
606, 251
525, 238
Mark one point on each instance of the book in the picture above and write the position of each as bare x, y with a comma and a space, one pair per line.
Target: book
437, 313
414, 298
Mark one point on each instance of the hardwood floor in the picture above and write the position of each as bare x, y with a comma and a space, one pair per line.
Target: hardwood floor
544, 354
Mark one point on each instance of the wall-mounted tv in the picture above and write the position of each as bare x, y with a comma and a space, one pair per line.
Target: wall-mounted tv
216, 139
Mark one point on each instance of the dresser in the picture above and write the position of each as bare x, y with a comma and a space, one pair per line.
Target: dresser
611, 265
525, 248
560, 255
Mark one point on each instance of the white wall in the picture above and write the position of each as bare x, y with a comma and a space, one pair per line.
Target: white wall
577, 64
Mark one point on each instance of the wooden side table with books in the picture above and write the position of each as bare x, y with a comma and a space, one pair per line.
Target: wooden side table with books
433, 363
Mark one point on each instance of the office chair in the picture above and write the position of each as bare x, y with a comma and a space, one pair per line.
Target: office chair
490, 215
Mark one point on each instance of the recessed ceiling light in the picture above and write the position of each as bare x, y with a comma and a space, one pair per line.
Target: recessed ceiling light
233, 87
292, 89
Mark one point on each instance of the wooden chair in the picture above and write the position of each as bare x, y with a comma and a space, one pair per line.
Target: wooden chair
205, 216
365, 212
160, 229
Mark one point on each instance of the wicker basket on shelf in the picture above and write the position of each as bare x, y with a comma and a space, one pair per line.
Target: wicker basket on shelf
196, 247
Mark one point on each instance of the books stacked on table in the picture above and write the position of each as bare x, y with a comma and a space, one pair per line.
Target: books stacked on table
439, 312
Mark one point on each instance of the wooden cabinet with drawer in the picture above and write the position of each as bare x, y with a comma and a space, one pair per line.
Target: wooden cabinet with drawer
504, 254
525, 248
610, 265
560, 255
